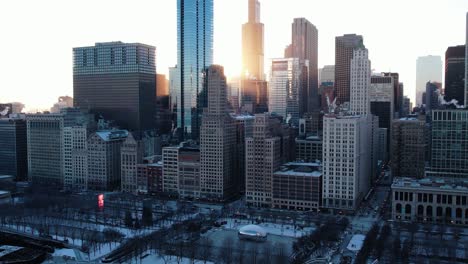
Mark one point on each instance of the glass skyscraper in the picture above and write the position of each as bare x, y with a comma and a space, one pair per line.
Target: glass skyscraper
194, 55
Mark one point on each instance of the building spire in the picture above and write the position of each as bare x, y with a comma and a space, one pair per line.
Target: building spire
254, 11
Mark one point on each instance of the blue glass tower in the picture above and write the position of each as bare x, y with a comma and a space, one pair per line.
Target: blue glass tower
194, 55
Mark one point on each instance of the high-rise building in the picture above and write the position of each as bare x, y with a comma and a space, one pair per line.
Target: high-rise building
117, 81
262, 159
131, 154
194, 55
311, 124
327, 74
382, 153
170, 159
174, 90
466, 61
397, 92
344, 48
408, 147
217, 139
407, 107
347, 158
287, 87
254, 96
360, 82
252, 44
233, 94
304, 46
104, 160
75, 151
244, 129
428, 69
454, 74
433, 91
381, 99
162, 85
449, 144
47, 162
13, 148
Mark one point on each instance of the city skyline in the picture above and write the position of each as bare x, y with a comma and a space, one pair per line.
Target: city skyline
52, 56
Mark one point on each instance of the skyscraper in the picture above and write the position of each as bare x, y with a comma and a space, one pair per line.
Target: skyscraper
304, 46
252, 44
466, 61
347, 158
13, 148
428, 69
288, 83
117, 81
454, 74
327, 74
194, 54
449, 144
381, 99
397, 92
408, 147
217, 139
360, 81
344, 47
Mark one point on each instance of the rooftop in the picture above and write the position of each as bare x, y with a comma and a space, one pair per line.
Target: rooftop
307, 169
112, 135
427, 183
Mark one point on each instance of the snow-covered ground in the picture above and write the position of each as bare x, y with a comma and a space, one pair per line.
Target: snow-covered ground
155, 259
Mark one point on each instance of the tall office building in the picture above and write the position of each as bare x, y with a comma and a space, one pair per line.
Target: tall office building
217, 139
304, 46
428, 69
288, 83
254, 96
344, 48
408, 147
381, 99
252, 44
466, 61
347, 157
397, 92
117, 81
433, 91
407, 107
47, 162
454, 74
104, 160
360, 81
162, 85
13, 148
449, 144
131, 154
244, 129
194, 55
262, 159
327, 74
174, 90
75, 161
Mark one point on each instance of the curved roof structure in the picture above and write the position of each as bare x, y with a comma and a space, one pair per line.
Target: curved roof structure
253, 230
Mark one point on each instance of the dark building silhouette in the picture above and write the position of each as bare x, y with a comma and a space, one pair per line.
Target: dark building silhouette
397, 91
454, 74
117, 81
254, 96
344, 47
433, 89
13, 148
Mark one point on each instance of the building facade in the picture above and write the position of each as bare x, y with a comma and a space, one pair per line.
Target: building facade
298, 186
104, 160
126, 76
13, 148
454, 74
286, 88
252, 44
217, 140
347, 155
408, 147
262, 158
309, 148
131, 154
327, 74
360, 82
194, 55
430, 201
304, 46
449, 144
344, 48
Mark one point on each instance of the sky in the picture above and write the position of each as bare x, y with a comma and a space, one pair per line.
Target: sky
37, 37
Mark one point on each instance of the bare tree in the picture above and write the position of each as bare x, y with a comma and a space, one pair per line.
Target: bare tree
226, 252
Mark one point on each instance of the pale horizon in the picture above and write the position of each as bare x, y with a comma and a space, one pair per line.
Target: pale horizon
38, 37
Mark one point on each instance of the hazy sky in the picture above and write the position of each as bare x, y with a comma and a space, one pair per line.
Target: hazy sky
37, 37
